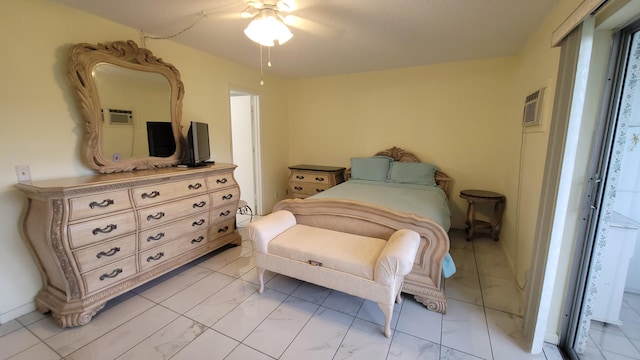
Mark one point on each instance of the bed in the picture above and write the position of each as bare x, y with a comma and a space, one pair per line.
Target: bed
376, 202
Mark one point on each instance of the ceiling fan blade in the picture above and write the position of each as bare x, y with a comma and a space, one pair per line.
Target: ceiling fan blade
311, 26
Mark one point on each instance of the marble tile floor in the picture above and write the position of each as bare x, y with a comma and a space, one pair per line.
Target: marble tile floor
616, 342
210, 309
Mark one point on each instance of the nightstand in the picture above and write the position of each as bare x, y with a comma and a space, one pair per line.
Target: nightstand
482, 196
307, 180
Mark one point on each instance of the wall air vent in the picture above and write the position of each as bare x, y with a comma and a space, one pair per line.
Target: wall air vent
120, 117
532, 108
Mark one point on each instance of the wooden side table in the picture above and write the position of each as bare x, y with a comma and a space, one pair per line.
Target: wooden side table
482, 196
307, 180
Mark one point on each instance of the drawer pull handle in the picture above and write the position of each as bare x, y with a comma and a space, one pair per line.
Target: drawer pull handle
224, 229
225, 213
107, 229
156, 216
198, 223
155, 238
113, 274
319, 179
221, 181
200, 204
199, 239
150, 195
319, 190
299, 188
156, 257
227, 197
103, 204
111, 252
299, 177
195, 186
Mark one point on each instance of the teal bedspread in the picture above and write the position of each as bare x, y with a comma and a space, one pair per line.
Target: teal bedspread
425, 201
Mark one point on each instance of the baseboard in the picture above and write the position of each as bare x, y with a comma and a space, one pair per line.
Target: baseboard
17, 312
551, 338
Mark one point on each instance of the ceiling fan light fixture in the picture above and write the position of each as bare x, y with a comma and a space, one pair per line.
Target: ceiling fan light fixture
267, 27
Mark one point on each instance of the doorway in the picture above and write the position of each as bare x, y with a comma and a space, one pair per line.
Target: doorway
605, 320
245, 142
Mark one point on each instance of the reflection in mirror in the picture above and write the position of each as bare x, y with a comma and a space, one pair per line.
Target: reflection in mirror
132, 101
123, 91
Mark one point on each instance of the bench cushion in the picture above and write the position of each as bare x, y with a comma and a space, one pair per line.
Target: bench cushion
348, 253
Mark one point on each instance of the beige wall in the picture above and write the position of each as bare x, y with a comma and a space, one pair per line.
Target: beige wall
43, 128
453, 115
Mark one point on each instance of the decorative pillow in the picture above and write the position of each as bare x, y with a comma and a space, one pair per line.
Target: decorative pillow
370, 168
413, 173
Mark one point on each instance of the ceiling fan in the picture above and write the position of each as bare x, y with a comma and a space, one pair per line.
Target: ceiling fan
268, 25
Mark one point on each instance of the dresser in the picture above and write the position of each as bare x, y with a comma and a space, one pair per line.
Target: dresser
307, 180
96, 237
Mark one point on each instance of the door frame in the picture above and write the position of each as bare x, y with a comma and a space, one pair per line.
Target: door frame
255, 144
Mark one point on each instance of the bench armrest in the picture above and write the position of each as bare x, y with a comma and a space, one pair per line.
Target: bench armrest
397, 257
265, 229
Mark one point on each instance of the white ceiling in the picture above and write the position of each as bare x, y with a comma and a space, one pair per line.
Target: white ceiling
340, 36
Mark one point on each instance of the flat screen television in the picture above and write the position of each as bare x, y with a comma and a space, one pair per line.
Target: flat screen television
160, 138
197, 151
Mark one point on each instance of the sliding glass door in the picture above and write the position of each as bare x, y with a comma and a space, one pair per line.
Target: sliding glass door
605, 320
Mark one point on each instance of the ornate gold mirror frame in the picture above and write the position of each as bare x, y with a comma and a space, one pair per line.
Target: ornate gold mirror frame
82, 62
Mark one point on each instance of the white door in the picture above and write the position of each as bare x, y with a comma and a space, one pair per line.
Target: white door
244, 125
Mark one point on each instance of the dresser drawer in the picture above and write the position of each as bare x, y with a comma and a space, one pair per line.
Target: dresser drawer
171, 231
222, 229
220, 181
166, 251
101, 229
223, 214
157, 193
109, 274
226, 197
161, 214
98, 204
105, 252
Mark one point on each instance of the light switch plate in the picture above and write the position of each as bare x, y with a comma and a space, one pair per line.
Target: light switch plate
23, 172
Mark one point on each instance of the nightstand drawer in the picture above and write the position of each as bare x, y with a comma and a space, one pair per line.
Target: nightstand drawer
311, 177
307, 188
307, 180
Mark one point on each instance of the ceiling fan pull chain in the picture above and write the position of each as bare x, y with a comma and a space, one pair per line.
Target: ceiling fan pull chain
269, 56
261, 72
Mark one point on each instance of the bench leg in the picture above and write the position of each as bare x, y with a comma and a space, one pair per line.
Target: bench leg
261, 278
388, 312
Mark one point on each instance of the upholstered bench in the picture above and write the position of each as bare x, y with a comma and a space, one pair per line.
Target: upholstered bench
362, 266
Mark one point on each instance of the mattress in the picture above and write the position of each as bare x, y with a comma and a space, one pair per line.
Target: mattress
425, 201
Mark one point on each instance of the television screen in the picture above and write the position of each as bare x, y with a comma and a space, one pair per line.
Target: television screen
198, 144
160, 138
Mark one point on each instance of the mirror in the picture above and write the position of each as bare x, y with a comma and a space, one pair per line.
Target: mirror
132, 105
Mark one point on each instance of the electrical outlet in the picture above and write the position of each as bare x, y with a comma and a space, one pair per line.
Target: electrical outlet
23, 172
